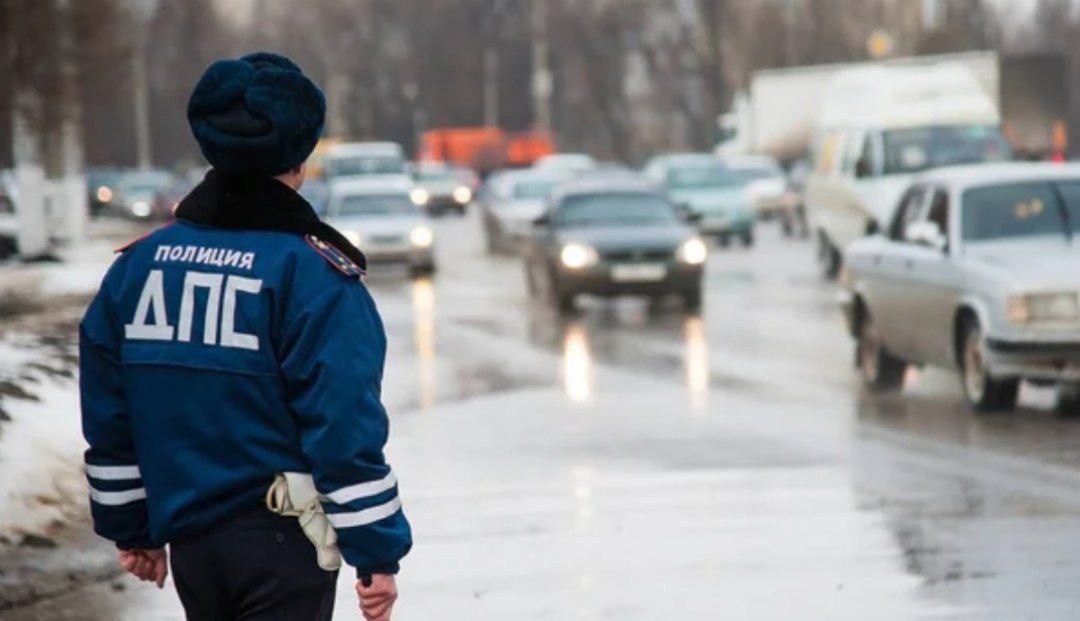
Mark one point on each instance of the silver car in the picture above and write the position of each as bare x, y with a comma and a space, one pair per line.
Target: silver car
378, 217
509, 202
979, 270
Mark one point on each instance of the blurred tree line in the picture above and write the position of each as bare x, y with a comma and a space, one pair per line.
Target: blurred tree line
618, 78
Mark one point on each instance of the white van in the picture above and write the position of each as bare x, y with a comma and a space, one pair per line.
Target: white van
879, 126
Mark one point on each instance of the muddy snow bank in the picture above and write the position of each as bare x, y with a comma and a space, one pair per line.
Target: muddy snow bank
41, 481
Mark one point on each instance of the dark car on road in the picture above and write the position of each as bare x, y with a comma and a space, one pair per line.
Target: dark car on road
613, 237
441, 189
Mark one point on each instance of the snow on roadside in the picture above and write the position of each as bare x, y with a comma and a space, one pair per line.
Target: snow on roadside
41, 475
79, 273
82, 270
41, 481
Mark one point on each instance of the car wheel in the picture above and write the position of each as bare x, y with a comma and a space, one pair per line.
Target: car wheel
7, 247
1069, 400
692, 299
748, 239
983, 392
880, 370
563, 300
786, 226
829, 258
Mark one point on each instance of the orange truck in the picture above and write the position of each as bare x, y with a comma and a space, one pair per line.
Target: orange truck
484, 149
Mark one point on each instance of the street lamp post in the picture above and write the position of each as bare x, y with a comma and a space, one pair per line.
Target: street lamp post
490, 61
142, 11
541, 78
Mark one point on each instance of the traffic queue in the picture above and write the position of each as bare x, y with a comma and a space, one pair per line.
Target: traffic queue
974, 268
947, 252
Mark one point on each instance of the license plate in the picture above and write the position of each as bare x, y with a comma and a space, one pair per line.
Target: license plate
386, 239
644, 272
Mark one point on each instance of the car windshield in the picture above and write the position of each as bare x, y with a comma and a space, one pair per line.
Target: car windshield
709, 176
921, 148
1021, 210
756, 173
438, 175
145, 184
532, 189
365, 165
374, 205
622, 208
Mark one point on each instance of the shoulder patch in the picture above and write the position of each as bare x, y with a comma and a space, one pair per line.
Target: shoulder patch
334, 257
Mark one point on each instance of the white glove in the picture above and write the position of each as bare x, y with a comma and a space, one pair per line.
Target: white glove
293, 494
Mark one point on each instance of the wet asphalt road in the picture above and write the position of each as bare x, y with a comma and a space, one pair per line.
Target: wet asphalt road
638, 463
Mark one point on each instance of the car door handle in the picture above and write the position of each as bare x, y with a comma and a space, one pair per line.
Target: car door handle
877, 259
909, 264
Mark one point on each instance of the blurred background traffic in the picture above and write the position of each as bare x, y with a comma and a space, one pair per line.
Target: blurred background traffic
800, 262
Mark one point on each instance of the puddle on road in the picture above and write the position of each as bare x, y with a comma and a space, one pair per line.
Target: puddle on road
423, 302
626, 335
577, 364
931, 406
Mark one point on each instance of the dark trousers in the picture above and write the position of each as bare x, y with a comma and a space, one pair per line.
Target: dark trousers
256, 567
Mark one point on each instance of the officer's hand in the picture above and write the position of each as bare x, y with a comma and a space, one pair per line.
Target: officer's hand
146, 565
377, 600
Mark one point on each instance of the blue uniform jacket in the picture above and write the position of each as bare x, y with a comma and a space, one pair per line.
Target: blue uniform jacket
213, 358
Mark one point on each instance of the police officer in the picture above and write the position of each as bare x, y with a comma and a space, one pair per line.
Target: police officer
230, 346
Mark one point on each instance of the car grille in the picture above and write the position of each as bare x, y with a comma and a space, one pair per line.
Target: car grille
632, 256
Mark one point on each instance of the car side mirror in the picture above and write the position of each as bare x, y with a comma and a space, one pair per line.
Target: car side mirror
927, 234
542, 220
862, 168
872, 227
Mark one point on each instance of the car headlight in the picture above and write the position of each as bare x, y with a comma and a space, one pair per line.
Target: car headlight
577, 256
1043, 308
353, 237
104, 194
462, 195
419, 196
693, 251
140, 209
421, 237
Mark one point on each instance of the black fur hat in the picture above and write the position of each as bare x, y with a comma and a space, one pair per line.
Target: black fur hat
259, 114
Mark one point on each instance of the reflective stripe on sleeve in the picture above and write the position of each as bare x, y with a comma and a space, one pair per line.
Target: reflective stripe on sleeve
363, 490
113, 473
115, 499
367, 516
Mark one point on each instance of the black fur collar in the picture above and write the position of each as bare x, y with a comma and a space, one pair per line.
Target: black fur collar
261, 203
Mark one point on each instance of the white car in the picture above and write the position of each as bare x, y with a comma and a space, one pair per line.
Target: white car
360, 159
378, 216
765, 185
979, 270
566, 163
509, 202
